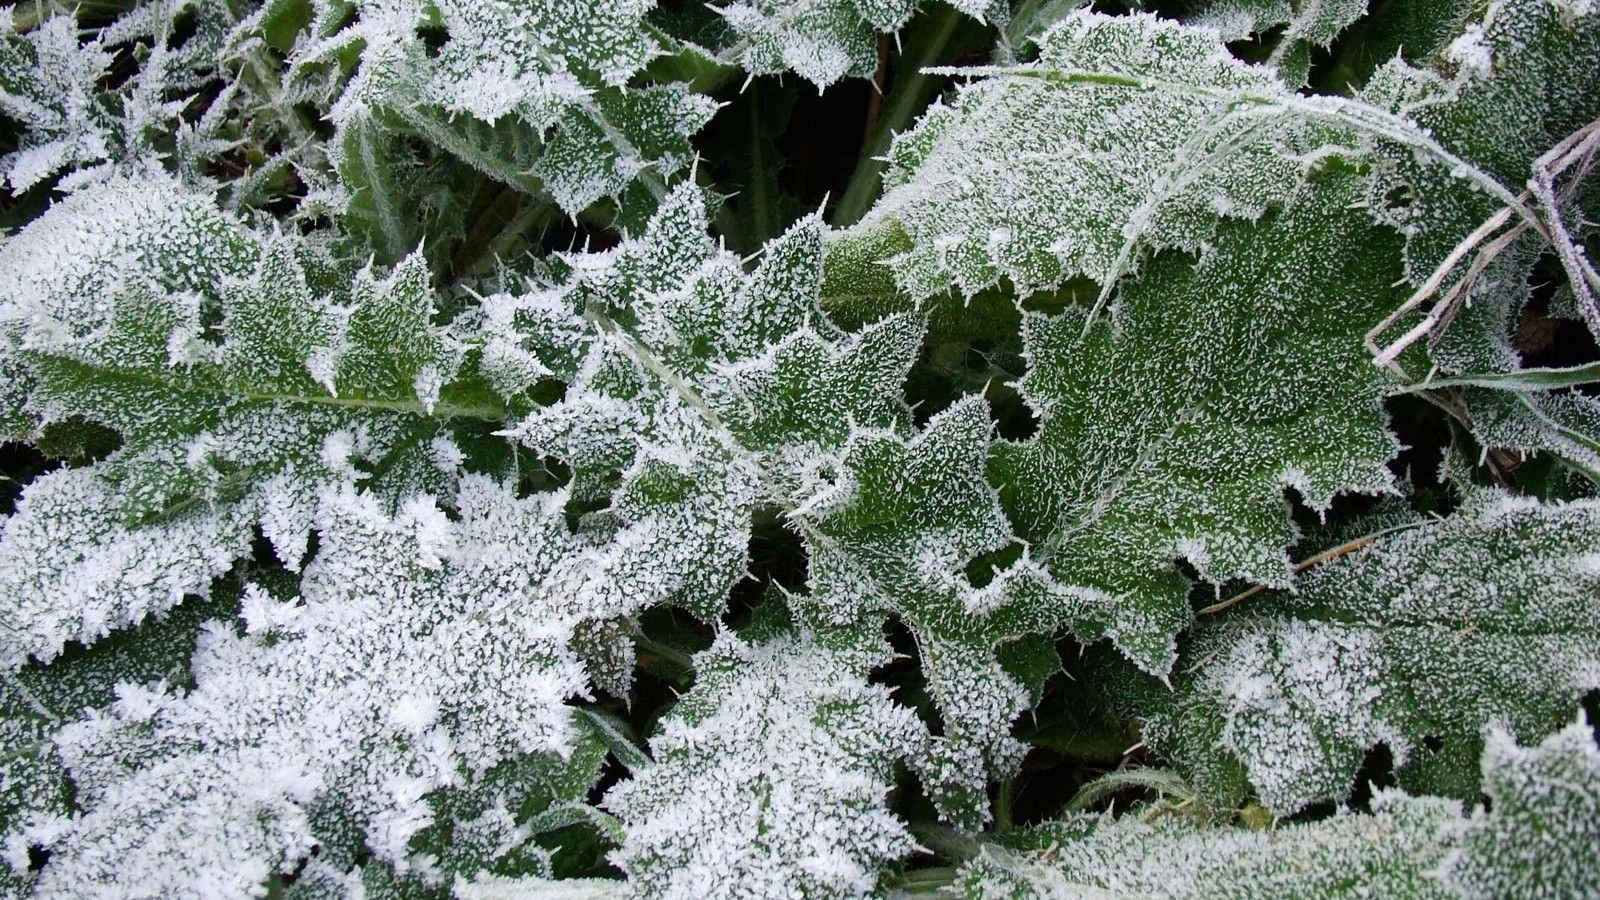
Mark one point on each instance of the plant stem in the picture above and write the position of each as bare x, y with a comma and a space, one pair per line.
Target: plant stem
1002, 807
912, 90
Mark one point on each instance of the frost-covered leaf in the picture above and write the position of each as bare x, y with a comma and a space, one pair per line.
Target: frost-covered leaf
1418, 642
47, 83
770, 778
1392, 852
1515, 83
118, 93
1535, 839
905, 520
1128, 133
38, 699
1538, 837
1304, 25
384, 702
1319, 21
820, 40
1565, 424
1173, 430
234, 367
70, 570
698, 394
533, 95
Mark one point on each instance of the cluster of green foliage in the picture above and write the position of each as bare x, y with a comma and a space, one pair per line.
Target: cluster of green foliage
799, 448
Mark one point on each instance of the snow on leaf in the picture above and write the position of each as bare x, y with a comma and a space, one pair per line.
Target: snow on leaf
1391, 852
1173, 430
1128, 133
770, 778
1418, 642
1537, 838
411, 663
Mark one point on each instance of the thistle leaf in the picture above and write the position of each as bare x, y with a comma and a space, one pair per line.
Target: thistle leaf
1419, 642
1392, 852
1127, 134
339, 715
1544, 803
721, 815
1174, 430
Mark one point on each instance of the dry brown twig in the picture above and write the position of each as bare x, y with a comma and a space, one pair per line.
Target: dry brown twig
1575, 153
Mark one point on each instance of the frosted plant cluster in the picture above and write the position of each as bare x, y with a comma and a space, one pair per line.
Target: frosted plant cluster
410, 494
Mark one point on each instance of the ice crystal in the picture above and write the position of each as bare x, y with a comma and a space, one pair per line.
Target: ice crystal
410, 663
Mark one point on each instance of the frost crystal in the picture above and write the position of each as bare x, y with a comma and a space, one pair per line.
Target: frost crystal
821, 40
534, 95
405, 667
1538, 837
1390, 853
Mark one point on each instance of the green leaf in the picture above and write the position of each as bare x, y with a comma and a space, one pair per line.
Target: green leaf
1419, 642
1513, 84
821, 42
410, 701
1128, 133
1304, 26
1172, 431
895, 536
533, 96
1537, 837
703, 395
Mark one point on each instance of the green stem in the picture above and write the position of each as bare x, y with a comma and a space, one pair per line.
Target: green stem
1002, 807
946, 843
927, 882
1521, 380
912, 91
669, 653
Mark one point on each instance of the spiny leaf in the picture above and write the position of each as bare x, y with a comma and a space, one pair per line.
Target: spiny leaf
412, 661
1418, 642
1391, 852
702, 395
1304, 26
1127, 133
534, 96
719, 815
1515, 85
1174, 430
1537, 838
